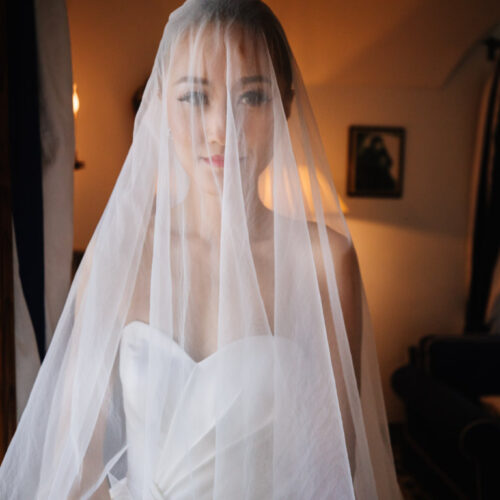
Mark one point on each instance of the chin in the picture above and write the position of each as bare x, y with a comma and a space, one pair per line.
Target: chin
205, 180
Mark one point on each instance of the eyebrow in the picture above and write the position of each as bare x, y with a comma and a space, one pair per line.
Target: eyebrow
192, 79
246, 80
254, 79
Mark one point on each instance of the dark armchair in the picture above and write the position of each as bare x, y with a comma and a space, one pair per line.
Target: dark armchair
451, 440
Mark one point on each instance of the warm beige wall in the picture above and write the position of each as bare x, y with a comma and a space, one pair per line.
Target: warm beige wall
412, 251
113, 47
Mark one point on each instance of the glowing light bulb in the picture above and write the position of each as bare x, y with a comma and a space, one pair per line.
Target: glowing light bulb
76, 101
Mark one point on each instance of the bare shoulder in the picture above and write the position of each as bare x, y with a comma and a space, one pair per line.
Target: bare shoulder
348, 282
340, 244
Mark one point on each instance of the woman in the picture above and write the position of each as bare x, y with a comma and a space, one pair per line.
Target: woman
214, 343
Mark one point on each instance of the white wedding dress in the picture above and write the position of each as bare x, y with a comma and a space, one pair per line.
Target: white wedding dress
185, 455
225, 233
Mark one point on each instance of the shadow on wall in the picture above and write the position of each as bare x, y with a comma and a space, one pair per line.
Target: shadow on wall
421, 50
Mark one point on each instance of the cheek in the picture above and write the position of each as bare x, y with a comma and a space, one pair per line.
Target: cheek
258, 131
185, 133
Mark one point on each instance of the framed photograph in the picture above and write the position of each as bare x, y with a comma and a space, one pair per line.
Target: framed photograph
376, 161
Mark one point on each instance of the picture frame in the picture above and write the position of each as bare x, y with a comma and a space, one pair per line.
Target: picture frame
376, 161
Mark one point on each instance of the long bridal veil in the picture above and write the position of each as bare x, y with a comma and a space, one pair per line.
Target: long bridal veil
215, 342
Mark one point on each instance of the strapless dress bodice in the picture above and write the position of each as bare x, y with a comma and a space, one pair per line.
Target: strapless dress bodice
196, 430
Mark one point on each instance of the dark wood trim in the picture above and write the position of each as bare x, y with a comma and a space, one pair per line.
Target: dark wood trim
7, 345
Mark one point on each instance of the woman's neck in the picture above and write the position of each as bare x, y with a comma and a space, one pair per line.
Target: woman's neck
200, 216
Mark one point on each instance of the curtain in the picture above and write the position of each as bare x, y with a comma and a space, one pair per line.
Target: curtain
41, 157
486, 232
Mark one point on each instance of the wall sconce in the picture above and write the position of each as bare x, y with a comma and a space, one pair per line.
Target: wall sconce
76, 106
329, 202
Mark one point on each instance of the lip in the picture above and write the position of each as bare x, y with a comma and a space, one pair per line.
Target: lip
215, 160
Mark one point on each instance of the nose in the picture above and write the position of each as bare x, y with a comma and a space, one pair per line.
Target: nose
215, 123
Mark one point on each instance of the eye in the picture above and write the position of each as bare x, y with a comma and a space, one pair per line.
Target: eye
194, 97
254, 98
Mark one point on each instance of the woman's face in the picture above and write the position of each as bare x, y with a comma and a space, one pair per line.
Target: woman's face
220, 105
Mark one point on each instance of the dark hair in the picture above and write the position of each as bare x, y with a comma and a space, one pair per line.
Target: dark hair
259, 19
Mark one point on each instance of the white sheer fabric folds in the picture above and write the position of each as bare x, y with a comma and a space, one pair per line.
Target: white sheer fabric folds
215, 342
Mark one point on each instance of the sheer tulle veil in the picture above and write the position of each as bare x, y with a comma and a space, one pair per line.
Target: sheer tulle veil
215, 342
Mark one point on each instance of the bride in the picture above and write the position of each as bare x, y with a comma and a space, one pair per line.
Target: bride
215, 341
